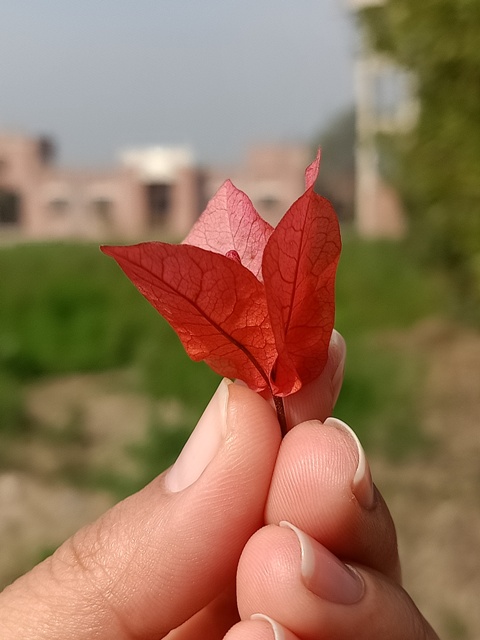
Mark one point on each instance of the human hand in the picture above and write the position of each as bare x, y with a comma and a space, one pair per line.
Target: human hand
163, 562
334, 573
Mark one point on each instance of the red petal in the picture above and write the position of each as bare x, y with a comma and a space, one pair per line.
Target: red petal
216, 306
299, 266
311, 172
231, 222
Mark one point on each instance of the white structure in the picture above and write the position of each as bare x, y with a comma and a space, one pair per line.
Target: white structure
384, 104
158, 163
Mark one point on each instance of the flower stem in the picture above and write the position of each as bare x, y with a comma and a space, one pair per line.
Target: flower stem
280, 408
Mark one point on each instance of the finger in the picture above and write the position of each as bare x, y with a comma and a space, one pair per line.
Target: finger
260, 627
213, 621
158, 557
322, 483
290, 577
315, 401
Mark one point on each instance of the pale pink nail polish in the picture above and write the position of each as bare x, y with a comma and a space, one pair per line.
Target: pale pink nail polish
323, 574
203, 444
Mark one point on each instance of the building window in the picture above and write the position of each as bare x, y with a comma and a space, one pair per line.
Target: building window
102, 209
268, 203
46, 150
159, 202
9, 208
59, 206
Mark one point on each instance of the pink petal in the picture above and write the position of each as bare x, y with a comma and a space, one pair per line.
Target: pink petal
231, 222
311, 172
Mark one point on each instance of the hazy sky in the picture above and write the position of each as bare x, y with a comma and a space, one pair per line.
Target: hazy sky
102, 75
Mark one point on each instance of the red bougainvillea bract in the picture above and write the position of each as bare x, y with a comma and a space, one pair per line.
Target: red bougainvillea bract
255, 302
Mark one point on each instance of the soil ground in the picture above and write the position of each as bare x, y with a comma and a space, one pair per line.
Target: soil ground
435, 499
433, 496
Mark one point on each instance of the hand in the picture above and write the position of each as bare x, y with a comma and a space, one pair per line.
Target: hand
165, 560
334, 573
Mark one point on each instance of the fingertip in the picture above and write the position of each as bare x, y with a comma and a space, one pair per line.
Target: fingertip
203, 443
337, 353
252, 417
259, 627
362, 483
279, 632
317, 486
316, 399
337, 348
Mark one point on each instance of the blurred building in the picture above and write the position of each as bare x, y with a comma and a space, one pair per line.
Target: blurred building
273, 177
39, 200
384, 103
153, 192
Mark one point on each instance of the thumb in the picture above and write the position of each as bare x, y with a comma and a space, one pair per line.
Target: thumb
163, 554
315, 401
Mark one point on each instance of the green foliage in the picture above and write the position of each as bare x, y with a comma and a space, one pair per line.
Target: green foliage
380, 286
380, 397
437, 166
338, 146
62, 310
380, 289
12, 414
69, 308
337, 173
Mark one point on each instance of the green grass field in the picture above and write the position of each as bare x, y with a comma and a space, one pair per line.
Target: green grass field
68, 308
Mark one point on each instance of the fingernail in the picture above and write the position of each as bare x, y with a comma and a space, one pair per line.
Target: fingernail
338, 343
278, 630
323, 574
203, 444
362, 484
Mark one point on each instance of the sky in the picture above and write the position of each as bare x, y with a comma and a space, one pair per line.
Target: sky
101, 76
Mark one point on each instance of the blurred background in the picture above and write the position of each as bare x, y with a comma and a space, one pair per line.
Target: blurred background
118, 121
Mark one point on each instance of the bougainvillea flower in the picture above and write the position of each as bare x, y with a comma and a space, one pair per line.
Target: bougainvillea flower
256, 303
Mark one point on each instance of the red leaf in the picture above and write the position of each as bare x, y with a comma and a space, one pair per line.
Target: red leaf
230, 222
299, 265
311, 172
217, 307
273, 335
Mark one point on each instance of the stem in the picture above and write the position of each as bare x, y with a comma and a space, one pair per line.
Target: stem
280, 408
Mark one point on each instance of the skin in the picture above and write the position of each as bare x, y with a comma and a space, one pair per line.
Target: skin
199, 550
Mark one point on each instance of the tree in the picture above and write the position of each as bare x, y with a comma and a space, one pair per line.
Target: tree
437, 166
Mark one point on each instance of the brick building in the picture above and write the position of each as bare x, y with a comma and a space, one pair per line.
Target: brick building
153, 192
